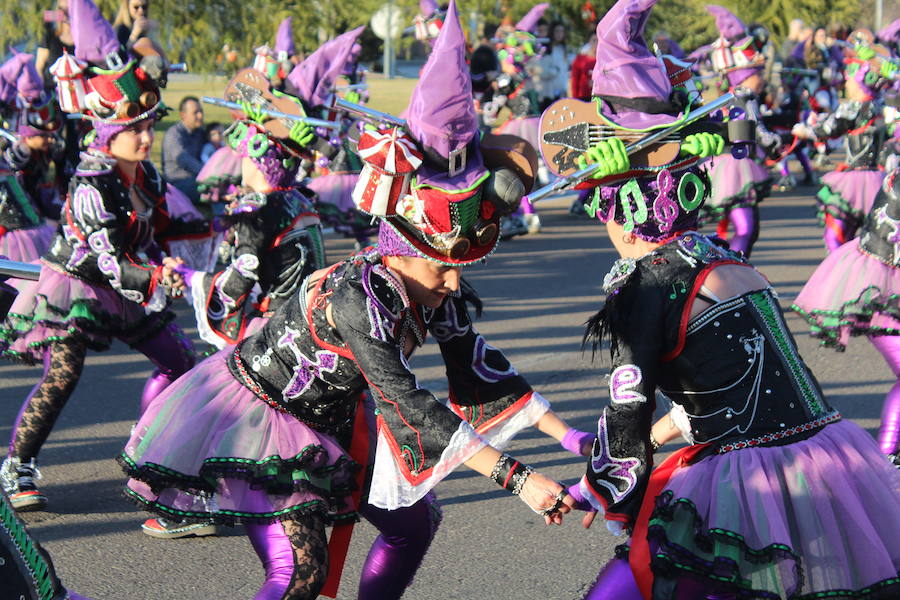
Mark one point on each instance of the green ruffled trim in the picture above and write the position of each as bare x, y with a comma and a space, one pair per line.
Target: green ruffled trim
83, 322
830, 202
217, 180
827, 324
710, 213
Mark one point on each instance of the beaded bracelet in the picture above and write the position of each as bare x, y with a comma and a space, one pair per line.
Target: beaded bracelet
510, 474
654, 445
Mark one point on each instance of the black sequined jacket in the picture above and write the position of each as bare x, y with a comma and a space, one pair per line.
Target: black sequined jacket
880, 236
299, 364
104, 241
747, 106
28, 194
276, 244
863, 129
733, 371
17, 211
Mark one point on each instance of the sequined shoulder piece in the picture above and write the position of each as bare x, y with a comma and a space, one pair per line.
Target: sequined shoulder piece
695, 248
92, 165
384, 290
248, 203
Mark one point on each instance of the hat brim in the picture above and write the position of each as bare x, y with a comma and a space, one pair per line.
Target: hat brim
474, 254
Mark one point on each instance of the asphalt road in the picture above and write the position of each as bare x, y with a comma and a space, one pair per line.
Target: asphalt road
538, 292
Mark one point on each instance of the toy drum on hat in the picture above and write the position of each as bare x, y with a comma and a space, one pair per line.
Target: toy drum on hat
68, 72
391, 157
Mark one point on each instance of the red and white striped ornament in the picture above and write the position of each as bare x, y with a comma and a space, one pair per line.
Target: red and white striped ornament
71, 89
391, 157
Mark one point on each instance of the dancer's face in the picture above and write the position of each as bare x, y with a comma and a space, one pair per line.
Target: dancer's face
133, 144
426, 281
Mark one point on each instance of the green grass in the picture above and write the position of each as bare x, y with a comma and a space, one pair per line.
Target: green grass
388, 95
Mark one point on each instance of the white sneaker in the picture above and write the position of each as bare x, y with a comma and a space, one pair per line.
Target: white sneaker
532, 222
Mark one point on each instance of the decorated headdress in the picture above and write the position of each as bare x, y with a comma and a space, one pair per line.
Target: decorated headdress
520, 46
35, 112
430, 183
652, 203
313, 80
633, 89
99, 82
736, 54
865, 61
429, 21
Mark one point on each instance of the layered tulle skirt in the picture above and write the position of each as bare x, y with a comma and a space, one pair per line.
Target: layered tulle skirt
736, 183
819, 518
527, 128
58, 307
208, 448
26, 245
851, 293
334, 202
848, 195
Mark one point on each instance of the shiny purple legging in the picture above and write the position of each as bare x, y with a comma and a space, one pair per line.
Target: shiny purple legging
889, 433
173, 355
745, 221
616, 582
393, 559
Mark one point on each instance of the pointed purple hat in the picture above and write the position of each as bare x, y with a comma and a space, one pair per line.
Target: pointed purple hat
441, 112
628, 71
529, 21
729, 26
10, 72
313, 79
428, 7
284, 39
30, 86
891, 33
93, 35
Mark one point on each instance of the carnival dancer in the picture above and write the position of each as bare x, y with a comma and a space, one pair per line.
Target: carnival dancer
847, 193
739, 185
275, 240
272, 432
337, 166
519, 54
855, 292
776, 496
29, 193
94, 284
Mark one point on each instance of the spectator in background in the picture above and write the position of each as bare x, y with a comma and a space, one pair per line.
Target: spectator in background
133, 22
57, 38
556, 63
182, 146
214, 133
581, 70
795, 31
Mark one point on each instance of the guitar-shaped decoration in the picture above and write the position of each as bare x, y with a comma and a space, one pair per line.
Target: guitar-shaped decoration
570, 127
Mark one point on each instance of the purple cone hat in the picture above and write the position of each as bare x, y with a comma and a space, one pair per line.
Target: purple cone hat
284, 39
428, 7
628, 74
729, 26
441, 113
529, 21
93, 35
891, 33
29, 84
10, 71
313, 79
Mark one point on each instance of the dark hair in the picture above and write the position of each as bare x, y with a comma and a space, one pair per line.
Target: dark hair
553, 27
185, 100
490, 29
211, 126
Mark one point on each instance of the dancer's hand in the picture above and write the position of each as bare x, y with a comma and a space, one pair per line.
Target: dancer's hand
545, 497
609, 156
302, 134
254, 113
703, 144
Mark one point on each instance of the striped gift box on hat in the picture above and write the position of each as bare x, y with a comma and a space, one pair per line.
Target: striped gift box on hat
70, 83
391, 157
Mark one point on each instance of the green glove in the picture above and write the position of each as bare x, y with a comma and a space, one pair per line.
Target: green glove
889, 69
302, 134
703, 144
352, 96
609, 156
254, 113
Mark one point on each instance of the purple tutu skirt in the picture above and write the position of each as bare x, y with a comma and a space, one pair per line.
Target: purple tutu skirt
336, 208
736, 183
208, 448
819, 518
851, 293
221, 171
58, 307
27, 245
527, 128
848, 195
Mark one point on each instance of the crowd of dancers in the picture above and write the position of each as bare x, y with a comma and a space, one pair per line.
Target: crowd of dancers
307, 415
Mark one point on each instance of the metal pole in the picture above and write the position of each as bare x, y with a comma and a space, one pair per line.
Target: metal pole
879, 15
19, 270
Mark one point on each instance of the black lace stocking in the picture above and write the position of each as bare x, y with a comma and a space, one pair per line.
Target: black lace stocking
48, 398
310, 544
